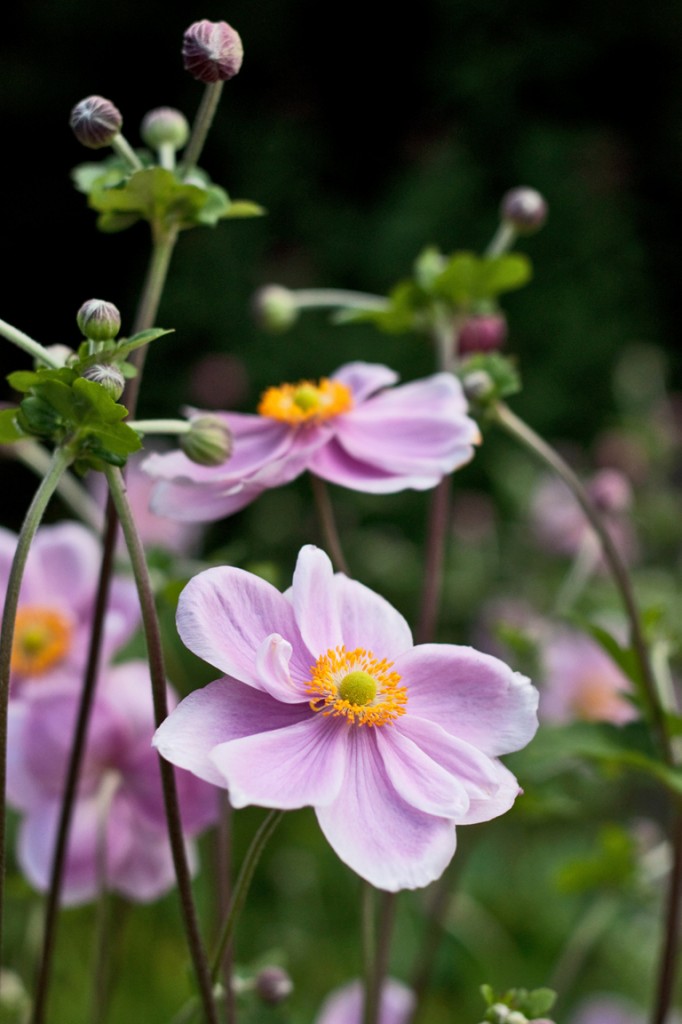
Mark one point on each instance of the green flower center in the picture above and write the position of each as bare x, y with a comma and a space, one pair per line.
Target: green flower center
306, 397
358, 688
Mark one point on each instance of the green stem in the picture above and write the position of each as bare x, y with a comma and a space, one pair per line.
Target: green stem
34, 348
323, 298
122, 148
160, 426
519, 430
60, 460
502, 240
69, 490
370, 1009
327, 520
201, 126
158, 679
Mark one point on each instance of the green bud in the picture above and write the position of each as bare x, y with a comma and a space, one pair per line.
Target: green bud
208, 441
275, 308
108, 376
99, 320
478, 386
165, 126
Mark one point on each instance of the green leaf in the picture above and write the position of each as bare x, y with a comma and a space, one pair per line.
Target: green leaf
22, 380
94, 405
127, 345
244, 208
501, 370
428, 266
9, 429
624, 657
540, 1000
469, 279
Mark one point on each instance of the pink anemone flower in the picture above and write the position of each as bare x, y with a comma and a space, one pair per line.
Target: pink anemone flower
351, 429
583, 682
327, 703
56, 602
118, 838
345, 1005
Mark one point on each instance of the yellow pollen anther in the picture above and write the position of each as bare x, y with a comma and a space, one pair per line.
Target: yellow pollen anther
42, 636
306, 402
356, 685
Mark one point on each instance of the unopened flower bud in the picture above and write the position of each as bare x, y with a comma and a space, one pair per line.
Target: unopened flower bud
498, 1013
212, 51
208, 441
273, 985
109, 376
62, 354
515, 1017
99, 320
525, 209
610, 491
164, 126
482, 334
95, 122
478, 385
275, 308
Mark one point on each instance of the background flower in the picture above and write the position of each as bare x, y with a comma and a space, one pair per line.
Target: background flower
352, 429
118, 837
344, 1005
583, 682
327, 704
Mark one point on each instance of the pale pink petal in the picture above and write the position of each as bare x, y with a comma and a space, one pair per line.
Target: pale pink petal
335, 464
63, 566
146, 871
471, 695
225, 614
272, 666
298, 766
489, 807
201, 503
364, 379
345, 1005
313, 596
376, 833
369, 621
418, 779
223, 710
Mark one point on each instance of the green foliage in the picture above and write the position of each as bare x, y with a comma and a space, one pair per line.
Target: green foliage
530, 1003
611, 864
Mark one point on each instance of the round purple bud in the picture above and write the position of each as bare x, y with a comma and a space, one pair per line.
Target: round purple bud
99, 320
273, 985
208, 441
212, 51
95, 122
483, 333
525, 209
108, 376
164, 126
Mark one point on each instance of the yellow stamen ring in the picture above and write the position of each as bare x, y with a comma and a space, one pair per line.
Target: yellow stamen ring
42, 636
356, 685
306, 402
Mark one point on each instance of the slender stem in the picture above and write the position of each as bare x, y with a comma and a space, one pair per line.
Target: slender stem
389, 902
581, 940
69, 490
34, 348
370, 1010
76, 754
313, 298
502, 240
170, 795
201, 126
60, 460
671, 937
223, 873
241, 887
503, 415
327, 520
122, 148
436, 540
160, 426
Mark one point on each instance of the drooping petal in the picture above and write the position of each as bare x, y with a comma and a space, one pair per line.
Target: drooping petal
376, 833
364, 379
335, 464
223, 710
369, 621
301, 765
489, 807
225, 614
272, 665
313, 596
471, 695
63, 566
418, 779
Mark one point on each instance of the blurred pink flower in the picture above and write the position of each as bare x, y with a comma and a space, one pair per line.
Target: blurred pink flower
327, 703
612, 1009
344, 1005
54, 617
561, 527
118, 836
582, 682
352, 429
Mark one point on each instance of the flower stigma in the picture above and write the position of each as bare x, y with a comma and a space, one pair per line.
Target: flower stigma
356, 685
306, 401
42, 637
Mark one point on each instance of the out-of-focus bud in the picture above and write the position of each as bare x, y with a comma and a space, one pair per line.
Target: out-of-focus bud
14, 1000
212, 51
164, 126
275, 308
483, 333
108, 376
273, 985
99, 320
525, 209
208, 441
62, 353
478, 385
95, 122
517, 1018
610, 491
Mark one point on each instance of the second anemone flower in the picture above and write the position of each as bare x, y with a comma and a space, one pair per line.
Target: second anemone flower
327, 703
353, 429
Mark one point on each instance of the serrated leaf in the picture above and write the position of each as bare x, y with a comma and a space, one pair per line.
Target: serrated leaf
127, 345
469, 279
22, 380
95, 404
114, 439
9, 429
540, 1000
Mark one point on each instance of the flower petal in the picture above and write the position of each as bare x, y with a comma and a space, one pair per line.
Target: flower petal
375, 832
335, 464
364, 379
369, 621
471, 695
223, 710
418, 779
345, 1005
313, 595
225, 615
301, 765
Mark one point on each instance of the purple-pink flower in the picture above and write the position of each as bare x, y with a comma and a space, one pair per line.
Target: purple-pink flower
327, 703
56, 602
345, 1005
583, 682
118, 838
352, 429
